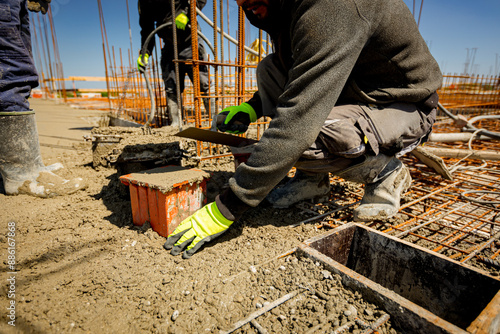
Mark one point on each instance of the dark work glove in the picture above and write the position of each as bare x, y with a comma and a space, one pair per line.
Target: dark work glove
39, 5
236, 119
142, 62
181, 20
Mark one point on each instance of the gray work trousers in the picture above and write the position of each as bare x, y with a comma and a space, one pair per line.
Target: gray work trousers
168, 68
350, 130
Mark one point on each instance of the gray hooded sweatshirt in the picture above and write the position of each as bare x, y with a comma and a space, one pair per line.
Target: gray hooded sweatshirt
335, 52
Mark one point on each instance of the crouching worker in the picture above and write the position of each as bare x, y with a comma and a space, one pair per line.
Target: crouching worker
21, 166
350, 88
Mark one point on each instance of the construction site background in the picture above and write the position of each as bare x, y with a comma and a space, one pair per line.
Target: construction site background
455, 216
232, 81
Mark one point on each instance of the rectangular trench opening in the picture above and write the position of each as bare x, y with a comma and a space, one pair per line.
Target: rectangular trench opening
449, 290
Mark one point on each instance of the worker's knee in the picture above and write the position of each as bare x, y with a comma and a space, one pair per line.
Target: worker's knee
350, 130
396, 127
342, 138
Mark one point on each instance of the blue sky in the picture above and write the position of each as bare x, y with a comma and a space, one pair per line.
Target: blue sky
450, 27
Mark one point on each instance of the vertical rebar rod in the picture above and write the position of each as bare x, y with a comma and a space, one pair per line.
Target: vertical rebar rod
129, 27
222, 69
196, 64
101, 21
41, 72
51, 72
57, 56
176, 59
216, 60
240, 72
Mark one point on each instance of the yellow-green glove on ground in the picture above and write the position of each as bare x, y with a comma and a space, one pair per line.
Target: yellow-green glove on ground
181, 20
142, 62
238, 118
203, 226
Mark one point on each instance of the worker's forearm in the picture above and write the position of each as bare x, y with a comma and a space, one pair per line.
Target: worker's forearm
230, 205
256, 104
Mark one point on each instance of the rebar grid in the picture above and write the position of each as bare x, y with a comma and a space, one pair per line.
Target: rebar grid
455, 218
448, 126
470, 95
459, 219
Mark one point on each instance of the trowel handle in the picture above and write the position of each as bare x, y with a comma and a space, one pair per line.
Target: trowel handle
219, 120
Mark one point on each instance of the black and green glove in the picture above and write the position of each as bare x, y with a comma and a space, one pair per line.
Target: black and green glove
193, 232
142, 62
181, 21
237, 118
39, 5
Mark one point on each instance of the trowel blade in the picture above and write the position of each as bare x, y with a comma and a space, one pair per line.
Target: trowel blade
215, 137
432, 161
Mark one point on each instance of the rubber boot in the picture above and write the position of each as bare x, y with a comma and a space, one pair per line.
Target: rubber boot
21, 165
385, 179
173, 110
303, 186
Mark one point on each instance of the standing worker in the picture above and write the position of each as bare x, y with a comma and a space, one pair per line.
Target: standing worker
350, 88
21, 165
152, 14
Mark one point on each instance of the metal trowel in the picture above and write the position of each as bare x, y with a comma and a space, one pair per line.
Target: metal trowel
432, 161
215, 137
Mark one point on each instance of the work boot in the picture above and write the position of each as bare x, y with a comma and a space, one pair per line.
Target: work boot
303, 186
21, 166
173, 110
382, 199
385, 179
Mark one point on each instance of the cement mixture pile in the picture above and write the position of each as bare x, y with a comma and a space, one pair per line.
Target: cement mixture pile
83, 267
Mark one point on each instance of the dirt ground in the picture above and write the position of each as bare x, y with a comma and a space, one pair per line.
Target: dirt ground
83, 267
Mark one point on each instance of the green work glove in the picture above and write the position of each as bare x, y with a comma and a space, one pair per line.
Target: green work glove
39, 5
142, 62
181, 20
201, 227
237, 118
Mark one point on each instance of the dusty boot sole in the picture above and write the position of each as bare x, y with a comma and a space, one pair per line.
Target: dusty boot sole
296, 191
372, 206
317, 199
